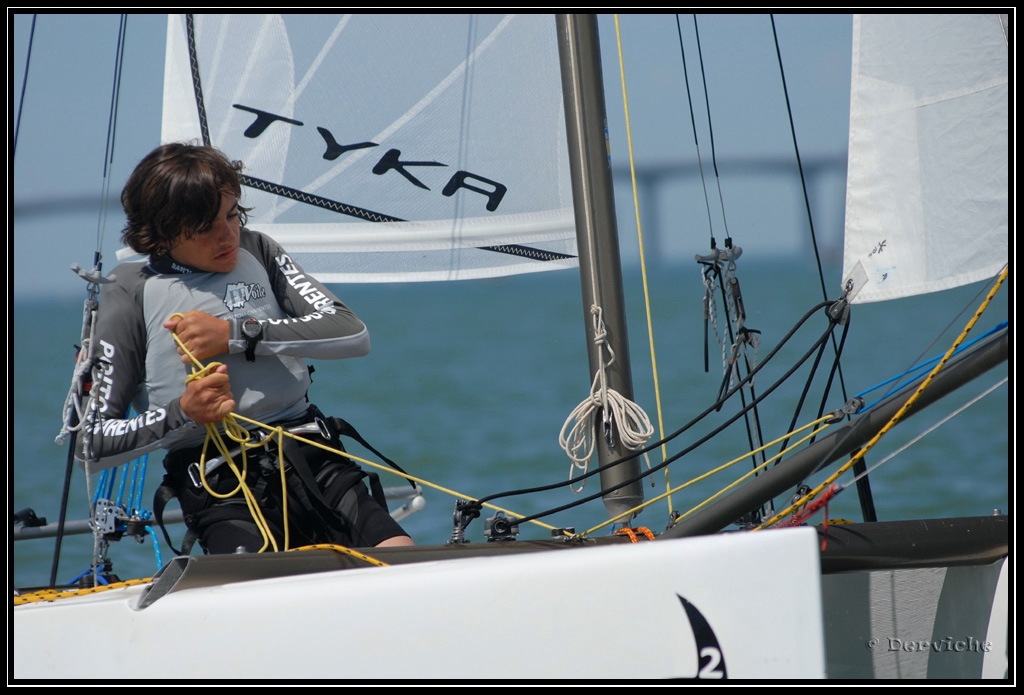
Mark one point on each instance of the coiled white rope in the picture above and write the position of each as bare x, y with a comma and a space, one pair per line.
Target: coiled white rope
79, 378
577, 437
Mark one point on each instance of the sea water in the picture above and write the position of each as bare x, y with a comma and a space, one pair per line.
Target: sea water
468, 385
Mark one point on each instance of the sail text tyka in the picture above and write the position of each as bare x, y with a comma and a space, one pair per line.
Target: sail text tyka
391, 160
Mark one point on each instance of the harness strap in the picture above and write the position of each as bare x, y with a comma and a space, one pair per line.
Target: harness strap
164, 494
342, 427
302, 460
297, 455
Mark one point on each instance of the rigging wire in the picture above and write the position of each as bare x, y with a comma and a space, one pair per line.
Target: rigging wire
928, 431
824, 423
969, 303
834, 491
24, 85
755, 436
711, 134
108, 158
828, 382
73, 422
100, 544
799, 161
895, 419
863, 488
696, 140
920, 363
714, 407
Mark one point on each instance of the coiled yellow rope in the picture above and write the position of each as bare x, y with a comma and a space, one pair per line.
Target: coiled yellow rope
235, 428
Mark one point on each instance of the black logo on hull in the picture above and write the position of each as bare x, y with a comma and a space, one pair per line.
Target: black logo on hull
710, 660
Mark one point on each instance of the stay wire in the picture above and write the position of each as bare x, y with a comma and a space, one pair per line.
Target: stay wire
860, 469
24, 84
696, 140
711, 136
803, 186
98, 545
108, 158
799, 161
752, 440
863, 486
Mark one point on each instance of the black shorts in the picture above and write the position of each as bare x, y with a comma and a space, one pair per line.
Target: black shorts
329, 503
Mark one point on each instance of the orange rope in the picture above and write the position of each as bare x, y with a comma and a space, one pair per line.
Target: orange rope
632, 533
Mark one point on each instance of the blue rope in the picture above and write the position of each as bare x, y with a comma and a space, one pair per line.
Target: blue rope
138, 481
133, 477
100, 578
120, 486
917, 369
156, 547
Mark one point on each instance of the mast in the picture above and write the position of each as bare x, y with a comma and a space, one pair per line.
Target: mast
597, 236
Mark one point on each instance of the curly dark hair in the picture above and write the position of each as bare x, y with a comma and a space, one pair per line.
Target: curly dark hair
176, 189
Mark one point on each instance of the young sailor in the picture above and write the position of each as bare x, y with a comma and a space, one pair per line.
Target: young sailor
233, 296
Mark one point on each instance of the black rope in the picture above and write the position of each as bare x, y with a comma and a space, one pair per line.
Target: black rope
863, 485
703, 440
651, 446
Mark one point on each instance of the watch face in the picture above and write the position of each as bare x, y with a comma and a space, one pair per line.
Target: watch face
252, 328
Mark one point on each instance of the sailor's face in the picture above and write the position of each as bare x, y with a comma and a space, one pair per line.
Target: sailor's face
216, 249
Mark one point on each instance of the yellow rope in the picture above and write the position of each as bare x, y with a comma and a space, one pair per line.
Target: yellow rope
382, 467
234, 428
50, 595
643, 260
719, 469
344, 551
241, 436
47, 595
900, 413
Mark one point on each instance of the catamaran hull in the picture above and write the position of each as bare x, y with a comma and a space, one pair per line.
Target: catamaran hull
731, 606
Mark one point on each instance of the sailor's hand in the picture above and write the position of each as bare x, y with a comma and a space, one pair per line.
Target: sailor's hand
208, 399
204, 335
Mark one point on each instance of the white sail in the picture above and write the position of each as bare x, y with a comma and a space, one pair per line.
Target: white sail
927, 188
385, 147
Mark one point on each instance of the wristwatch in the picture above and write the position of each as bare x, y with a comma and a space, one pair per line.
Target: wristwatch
252, 331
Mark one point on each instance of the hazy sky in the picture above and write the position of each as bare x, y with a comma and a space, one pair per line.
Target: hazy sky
62, 126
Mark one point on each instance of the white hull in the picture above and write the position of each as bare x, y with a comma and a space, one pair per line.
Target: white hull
614, 611
603, 612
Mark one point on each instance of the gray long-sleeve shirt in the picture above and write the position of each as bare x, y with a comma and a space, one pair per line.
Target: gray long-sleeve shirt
138, 363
